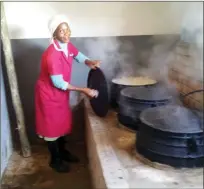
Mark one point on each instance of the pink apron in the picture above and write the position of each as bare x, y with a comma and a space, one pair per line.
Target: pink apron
53, 113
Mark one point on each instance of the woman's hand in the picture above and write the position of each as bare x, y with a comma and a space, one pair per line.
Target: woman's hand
90, 92
87, 91
93, 64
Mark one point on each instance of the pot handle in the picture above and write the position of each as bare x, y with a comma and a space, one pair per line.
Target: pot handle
192, 145
190, 93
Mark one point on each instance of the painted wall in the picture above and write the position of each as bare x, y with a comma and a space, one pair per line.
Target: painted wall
27, 54
118, 33
94, 19
6, 140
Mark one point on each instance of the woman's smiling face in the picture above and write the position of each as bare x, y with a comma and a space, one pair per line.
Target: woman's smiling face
62, 33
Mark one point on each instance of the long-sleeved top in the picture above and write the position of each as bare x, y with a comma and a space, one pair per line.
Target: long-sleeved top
58, 80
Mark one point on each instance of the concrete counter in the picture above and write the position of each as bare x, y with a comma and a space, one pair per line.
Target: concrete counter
114, 162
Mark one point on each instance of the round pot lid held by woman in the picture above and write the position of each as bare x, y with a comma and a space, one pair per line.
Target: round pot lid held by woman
97, 81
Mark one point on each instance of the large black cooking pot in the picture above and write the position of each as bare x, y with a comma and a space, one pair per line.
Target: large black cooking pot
115, 89
171, 135
133, 101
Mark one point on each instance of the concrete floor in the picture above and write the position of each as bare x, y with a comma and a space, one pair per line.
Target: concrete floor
34, 172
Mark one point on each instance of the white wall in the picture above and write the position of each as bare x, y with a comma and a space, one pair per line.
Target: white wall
88, 19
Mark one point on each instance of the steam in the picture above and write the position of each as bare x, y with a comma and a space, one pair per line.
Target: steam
192, 24
154, 60
159, 58
184, 52
193, 32
165, 119
153, 56
115, 55
192, 35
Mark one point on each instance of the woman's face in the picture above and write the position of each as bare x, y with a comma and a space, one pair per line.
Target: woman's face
62, 33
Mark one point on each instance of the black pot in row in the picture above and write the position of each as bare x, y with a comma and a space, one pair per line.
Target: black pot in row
133, 100
171, 135
166, 133
116, 88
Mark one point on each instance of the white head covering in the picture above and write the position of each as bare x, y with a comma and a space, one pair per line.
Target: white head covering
53, 23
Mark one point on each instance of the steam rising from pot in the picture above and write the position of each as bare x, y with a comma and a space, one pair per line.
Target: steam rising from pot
152, 56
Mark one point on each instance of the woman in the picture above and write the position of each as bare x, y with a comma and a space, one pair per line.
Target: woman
53, 114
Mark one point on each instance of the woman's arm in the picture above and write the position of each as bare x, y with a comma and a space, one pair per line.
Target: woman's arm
78, 56
55, 70
81, 58
59, 83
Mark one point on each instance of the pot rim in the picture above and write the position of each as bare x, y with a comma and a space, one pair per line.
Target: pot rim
148, 84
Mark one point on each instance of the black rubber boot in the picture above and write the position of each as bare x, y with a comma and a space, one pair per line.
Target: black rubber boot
56, 161
65, 154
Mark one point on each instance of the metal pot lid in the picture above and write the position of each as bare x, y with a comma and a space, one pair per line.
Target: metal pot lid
154, 93
97, 81
172, 118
